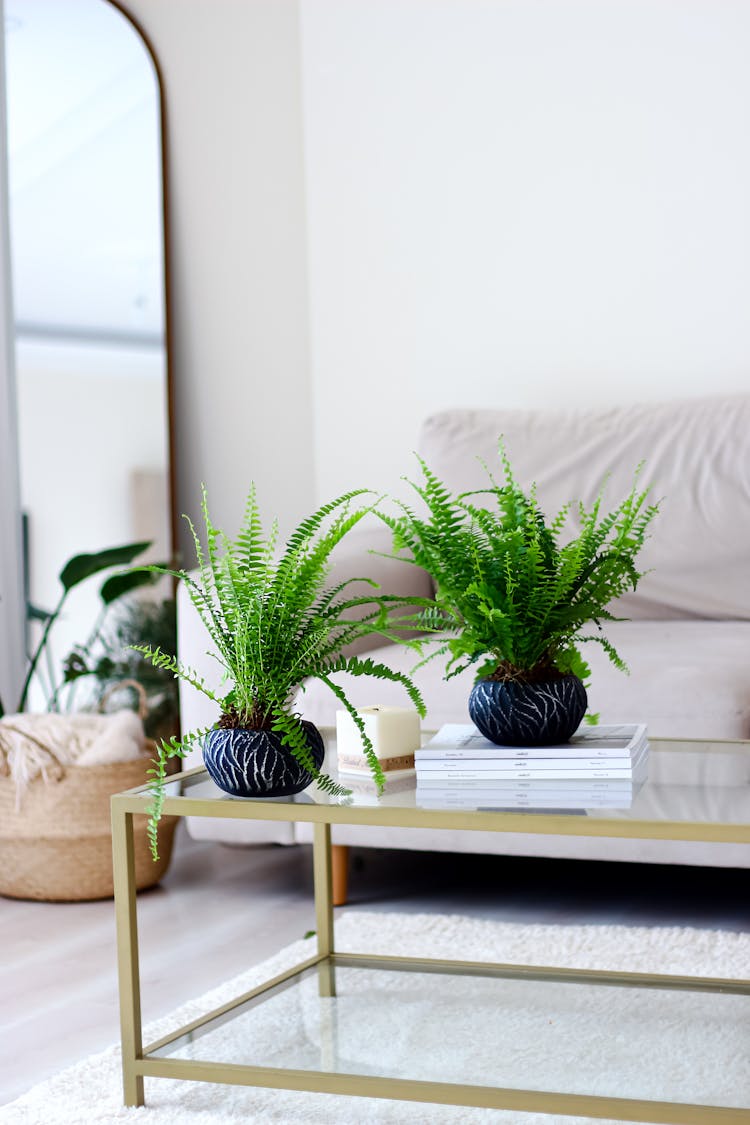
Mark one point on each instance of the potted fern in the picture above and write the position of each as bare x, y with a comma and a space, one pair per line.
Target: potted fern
273, 623
517, 603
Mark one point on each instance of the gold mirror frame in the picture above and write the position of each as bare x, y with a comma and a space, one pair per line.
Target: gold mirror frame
166, 276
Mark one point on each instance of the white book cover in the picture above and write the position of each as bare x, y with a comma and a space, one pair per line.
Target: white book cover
536, 771
492, 753
484, 765
459, 740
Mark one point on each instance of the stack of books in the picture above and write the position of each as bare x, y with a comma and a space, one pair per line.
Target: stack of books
601, 767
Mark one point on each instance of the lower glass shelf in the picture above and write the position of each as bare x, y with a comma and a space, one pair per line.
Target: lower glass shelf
654, 1044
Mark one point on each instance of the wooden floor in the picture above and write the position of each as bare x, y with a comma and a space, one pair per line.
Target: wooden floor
221, 909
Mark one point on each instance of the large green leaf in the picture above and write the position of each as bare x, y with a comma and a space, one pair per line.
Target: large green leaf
125, 582
83, 566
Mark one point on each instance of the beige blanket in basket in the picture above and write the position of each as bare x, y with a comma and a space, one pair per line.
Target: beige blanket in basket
43, 745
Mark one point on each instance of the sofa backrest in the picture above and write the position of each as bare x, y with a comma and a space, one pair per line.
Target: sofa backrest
697, 462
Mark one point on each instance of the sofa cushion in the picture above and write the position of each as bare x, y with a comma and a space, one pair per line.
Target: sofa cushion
697, 458
689, 679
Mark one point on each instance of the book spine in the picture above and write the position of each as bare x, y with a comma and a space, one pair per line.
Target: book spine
487, 765
521, 774
514, 753
487, 800
580, 794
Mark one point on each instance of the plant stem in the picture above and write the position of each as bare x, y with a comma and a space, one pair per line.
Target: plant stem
71, 694
50, 691
39, 649
53, 703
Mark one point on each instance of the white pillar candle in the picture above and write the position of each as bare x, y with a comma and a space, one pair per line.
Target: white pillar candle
393, 731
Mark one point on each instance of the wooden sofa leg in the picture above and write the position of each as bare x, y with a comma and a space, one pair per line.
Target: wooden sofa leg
340, 864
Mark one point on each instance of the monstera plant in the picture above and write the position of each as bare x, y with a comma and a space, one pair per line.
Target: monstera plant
41, 668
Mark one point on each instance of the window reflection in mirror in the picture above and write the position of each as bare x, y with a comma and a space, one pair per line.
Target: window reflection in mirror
86, 218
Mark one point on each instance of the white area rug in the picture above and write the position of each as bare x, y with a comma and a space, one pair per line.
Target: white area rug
619, 1042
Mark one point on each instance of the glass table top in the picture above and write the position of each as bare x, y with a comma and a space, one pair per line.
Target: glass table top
702, 782
597, 1039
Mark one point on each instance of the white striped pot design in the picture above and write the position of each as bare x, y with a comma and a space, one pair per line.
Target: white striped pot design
510, 713
254, 763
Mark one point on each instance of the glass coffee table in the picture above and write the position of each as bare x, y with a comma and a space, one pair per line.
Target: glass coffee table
338, 1015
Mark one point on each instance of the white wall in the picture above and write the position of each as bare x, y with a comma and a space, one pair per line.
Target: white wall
231, 75
504, 202
520, 204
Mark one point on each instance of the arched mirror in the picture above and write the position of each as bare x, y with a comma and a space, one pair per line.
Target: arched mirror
88, 272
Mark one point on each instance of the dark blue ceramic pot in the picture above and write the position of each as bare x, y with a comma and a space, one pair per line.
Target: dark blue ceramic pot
510, 713
254, 763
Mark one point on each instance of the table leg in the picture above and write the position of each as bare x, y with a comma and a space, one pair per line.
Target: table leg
127, 954
323, 882
340, 859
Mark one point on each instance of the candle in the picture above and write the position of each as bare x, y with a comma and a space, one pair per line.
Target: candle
393, 731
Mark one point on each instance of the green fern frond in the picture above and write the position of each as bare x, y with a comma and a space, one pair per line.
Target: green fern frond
275, 621
167, 750
169, 663
367, 746
358, 666
509, 593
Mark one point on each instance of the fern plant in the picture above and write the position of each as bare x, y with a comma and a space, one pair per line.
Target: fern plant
518, 603
274, 623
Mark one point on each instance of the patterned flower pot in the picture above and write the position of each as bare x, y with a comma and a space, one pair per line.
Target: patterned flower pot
254, 763
510, 713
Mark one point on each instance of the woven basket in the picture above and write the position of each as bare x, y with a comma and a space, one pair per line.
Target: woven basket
57, 847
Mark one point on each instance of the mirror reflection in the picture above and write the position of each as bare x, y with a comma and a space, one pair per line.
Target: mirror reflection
86, 214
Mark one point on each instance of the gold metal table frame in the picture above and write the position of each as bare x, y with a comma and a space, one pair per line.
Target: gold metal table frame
141, 1061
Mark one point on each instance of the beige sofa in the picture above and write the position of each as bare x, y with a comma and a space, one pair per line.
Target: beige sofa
687, 640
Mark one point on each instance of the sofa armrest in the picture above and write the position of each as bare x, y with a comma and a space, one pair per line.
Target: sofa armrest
353, 558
